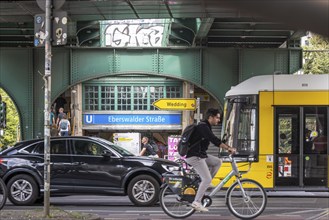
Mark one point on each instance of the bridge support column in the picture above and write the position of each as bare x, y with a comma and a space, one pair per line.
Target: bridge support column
76, 110
187, 116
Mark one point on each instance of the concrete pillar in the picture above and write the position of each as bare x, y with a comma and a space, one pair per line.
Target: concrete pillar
76, 110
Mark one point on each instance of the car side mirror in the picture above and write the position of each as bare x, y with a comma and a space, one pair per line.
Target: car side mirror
107, 154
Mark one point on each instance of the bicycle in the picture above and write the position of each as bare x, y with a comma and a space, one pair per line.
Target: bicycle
3, 193
245, 198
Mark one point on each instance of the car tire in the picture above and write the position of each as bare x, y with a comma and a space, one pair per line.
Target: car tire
22, 186
39, 201
143, 190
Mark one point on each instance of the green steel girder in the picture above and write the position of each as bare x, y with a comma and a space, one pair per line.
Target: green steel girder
215, 70
204, 25
16, 78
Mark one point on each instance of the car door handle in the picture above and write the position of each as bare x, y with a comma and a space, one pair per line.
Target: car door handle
78, 163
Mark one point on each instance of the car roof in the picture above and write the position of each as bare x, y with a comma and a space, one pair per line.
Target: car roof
31, 141
59, 137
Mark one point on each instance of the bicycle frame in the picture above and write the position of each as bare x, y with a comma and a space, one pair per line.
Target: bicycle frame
244, 203
234, 172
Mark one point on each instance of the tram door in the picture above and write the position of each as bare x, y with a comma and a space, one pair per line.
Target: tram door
301, 146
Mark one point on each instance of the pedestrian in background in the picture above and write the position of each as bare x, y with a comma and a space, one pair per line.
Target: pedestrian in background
52, 122
147, 149
60, 103
64, 126
59, 116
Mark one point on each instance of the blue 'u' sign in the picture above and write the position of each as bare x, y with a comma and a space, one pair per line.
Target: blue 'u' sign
138, 119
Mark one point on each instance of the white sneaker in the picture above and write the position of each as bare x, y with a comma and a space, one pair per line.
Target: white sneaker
211, 186
198, 207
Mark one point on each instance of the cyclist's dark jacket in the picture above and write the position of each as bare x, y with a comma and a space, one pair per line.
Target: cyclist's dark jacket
204, 133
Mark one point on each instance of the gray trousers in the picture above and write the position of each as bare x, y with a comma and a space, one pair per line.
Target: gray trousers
207, 169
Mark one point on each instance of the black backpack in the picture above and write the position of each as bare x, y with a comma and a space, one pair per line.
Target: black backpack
184, 144
154, 146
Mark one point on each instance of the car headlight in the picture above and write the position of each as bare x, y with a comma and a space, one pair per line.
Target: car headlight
170, 168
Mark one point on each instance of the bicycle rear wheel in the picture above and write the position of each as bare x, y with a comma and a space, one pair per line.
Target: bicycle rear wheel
247, 206
3, 194
172, 204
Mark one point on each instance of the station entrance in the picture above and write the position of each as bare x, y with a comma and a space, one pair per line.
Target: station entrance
123, 105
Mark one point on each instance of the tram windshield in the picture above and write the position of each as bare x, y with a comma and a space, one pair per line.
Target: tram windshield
240, 124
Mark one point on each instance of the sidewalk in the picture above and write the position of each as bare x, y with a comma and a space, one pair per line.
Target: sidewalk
55, 214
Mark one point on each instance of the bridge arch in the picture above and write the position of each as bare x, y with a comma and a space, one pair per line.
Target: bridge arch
12, 116
128, 79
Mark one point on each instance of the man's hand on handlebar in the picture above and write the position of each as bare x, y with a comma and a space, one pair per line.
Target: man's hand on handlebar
232, 150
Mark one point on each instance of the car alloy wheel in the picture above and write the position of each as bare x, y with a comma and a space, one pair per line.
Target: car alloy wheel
143, 190
22, 190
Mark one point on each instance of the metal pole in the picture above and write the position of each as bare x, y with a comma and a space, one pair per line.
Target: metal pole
47, 79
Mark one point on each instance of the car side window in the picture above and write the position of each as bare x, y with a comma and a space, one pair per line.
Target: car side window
58, 147
34, 148
82, 147
39, 148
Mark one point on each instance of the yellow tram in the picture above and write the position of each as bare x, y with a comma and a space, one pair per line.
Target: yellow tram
282, 121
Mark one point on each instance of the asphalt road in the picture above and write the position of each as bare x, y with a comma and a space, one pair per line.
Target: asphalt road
108, 207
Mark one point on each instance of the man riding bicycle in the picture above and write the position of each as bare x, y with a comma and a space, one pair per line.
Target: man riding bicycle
205, 165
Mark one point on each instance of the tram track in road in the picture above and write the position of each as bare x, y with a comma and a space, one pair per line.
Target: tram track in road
321, 215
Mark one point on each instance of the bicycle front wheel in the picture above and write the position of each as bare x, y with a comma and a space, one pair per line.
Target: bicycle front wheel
246, 199
3, 194
173, 205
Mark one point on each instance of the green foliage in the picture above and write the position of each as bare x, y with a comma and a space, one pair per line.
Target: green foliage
317, 58
10, 132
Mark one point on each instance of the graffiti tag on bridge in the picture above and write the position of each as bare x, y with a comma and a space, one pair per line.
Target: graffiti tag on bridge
134, 33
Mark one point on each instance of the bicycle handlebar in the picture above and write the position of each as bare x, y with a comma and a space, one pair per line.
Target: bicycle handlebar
243, 155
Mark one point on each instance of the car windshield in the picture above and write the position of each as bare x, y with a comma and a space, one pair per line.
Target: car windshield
117, 148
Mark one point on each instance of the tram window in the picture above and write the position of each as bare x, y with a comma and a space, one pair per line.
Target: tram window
315, 130
247, 129
285, 134
241, 124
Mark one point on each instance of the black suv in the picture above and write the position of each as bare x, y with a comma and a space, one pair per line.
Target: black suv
81, 165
